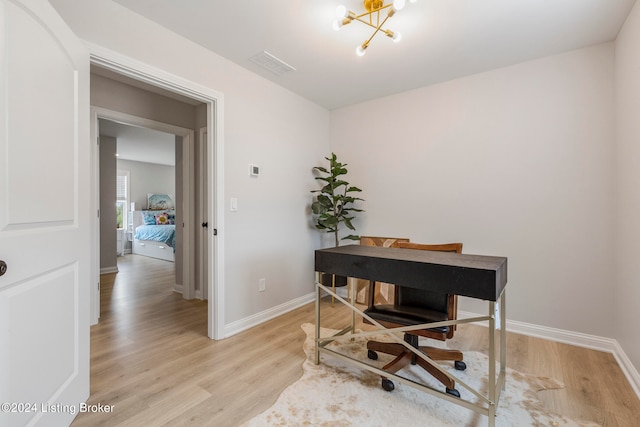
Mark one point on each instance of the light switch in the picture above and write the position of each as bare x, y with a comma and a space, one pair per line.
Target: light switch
233, 204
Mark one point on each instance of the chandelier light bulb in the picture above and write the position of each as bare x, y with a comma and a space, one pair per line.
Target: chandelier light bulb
341, 12
397, 36
360, 51
337, 24
398, 4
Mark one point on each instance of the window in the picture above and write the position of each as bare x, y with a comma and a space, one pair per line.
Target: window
122, 199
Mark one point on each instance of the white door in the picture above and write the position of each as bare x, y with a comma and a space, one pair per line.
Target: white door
45, 217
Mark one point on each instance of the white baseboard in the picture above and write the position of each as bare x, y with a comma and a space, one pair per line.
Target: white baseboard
578, 339
180, 289
628, 369
200, 296
107, 270
258, 318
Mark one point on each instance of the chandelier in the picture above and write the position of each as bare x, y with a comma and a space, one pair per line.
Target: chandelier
374, 17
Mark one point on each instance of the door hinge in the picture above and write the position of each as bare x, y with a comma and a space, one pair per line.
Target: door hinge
98, 213
215, 231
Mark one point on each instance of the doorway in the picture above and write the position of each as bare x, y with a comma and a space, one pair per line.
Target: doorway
144, 164
183, 194
140, 73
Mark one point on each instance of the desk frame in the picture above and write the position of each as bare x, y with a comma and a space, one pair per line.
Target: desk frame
487, 404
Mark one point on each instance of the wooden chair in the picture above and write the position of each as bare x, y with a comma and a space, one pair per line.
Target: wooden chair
413, 307
384, 291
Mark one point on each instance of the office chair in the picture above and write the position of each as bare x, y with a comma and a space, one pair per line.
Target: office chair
413, 307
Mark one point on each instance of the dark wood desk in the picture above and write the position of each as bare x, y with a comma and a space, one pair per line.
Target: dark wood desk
475, 276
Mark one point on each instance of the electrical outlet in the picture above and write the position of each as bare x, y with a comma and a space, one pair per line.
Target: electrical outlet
262, 284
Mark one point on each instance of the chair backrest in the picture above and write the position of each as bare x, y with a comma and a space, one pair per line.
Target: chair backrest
443, 303
384, 242
383, 291
443, 247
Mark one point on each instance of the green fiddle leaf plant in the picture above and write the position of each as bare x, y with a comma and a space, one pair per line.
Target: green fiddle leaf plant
334, 204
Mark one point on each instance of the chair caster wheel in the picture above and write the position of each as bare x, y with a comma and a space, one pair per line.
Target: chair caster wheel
372, 355
387, 384
459, 365
453, 392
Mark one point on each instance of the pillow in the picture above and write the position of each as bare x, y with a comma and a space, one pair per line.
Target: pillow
172, 216
162, 219
148, 217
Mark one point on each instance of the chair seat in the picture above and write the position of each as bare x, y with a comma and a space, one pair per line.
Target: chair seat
412, 307
407, 315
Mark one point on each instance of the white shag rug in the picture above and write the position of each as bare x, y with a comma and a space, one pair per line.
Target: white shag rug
335, 393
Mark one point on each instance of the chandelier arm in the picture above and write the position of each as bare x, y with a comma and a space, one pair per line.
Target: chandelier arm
375, 32
367, 23
373, 11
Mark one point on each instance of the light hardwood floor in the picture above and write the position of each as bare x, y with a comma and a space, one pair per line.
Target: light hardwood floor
151, 359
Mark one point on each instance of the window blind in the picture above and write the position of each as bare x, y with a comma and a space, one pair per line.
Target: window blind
121, 187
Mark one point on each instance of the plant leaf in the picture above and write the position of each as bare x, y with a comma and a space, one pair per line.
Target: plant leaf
347, 222
328, 221
318, 208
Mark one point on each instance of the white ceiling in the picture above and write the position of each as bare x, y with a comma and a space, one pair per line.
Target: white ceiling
441, 39
140, 144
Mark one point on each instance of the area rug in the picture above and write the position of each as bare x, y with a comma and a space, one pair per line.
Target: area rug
335, 393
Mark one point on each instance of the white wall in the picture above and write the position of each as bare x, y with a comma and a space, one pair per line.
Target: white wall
147, 178
108, 221
270, 235
627, 312
121, 97
514, 162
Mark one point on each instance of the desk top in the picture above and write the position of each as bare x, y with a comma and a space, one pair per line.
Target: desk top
475, 276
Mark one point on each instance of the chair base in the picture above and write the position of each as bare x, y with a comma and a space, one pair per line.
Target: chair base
405, 357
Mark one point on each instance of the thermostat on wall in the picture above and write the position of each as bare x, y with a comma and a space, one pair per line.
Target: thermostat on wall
254, 170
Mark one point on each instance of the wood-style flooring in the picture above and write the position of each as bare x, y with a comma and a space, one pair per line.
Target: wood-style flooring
151, 359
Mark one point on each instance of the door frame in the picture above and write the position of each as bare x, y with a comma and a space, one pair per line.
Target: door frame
214, 100
202, 213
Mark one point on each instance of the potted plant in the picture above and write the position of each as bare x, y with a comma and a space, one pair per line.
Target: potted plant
334, 204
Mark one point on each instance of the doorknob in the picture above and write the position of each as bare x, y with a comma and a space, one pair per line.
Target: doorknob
3, 267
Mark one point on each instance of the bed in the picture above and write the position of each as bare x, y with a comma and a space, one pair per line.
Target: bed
154, 230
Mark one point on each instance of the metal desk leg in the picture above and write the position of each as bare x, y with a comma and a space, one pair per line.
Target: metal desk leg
333, 288
352, 297
318, 297
492, 364
503, 338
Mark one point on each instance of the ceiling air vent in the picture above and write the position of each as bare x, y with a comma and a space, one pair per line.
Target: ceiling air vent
271, 63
